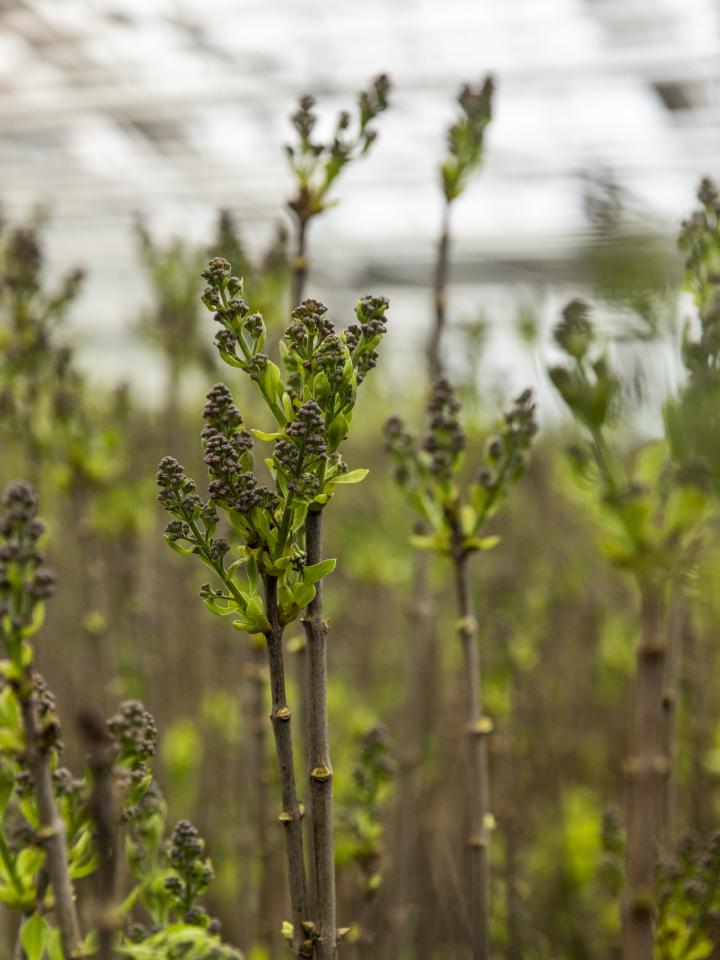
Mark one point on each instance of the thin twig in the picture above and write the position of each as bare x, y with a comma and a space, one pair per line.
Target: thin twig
319, 753
291, 816
478, 727
52, 829
101, 808
647, 770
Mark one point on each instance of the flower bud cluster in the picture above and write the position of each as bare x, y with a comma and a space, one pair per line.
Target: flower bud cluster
177, 494
588, 387
574, 334
309, 326
429, 471
466, 137
445, 438
242, 333
316, 164
192, 872
134, 731
25, 581
363, 336
508, 451
700, 242
401, 443
301, 451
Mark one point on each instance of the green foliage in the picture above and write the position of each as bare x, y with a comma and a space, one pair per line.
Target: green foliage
689, 903
650, 513
170, 874
173, 321
692, 419
266, 281
466, 138
428, 471
312, 410
316, 165
360, 828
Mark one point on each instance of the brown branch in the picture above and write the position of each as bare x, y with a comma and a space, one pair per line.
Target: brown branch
257, 677
51, 832
440, 281
477, 727
291, 816
101, 808
319, 753
300, 262
647, 771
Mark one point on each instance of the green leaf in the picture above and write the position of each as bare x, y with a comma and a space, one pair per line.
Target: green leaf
319, 570
183, 551
287, 404
424, 542
34, 936
256, 612
481, 543
9, 708
54, 946
38, 616
28, 863
299, 513
264, 435
354, 476
270, 383
303, 594
321, 388
336, 433
220, 607
7, 782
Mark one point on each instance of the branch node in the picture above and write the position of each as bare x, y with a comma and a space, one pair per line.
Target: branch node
321, 774
481, 727
467, 627
43, 834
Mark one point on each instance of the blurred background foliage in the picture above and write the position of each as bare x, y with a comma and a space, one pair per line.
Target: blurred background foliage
557, 624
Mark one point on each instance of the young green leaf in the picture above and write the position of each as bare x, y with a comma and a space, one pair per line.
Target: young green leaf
353, 476
34, 936
318, 570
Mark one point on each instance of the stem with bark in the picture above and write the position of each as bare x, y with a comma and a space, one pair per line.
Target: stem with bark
440, 281
300, 262
319, 753
478, 727
673, 670
647, 770
418, 722
291, 816
257, 678
52, 829
101, 808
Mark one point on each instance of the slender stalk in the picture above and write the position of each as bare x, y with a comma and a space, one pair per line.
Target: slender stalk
101, 809
478, 727
673, 671
509, 824
291, 816
417, 726
258, 683
647, 770
440, 281
9, 864
52, 829
300, 664
319, 753
300, 262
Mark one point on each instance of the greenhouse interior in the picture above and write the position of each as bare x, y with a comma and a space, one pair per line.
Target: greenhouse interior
360, 462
